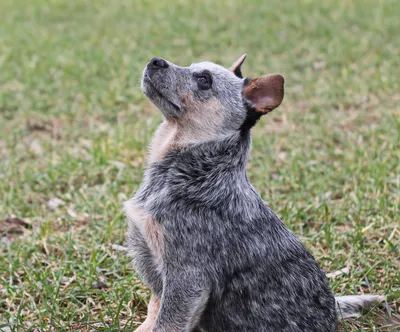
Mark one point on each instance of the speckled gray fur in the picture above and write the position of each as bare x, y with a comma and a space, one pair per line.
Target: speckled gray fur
228, 262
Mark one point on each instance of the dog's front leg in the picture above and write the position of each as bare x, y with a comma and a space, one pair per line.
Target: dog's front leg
152, 311
183, 300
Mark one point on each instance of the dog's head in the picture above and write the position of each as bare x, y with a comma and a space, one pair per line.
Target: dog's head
208, 97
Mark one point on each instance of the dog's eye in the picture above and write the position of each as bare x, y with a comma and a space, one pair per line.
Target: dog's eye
204, 80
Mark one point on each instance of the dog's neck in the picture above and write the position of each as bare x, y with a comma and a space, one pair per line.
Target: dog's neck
170, 149
172, 135
165, 139
199, 171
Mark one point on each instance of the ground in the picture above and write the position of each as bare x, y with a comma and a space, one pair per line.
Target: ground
74, 127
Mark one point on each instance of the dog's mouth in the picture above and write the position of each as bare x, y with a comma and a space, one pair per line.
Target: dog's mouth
158, 94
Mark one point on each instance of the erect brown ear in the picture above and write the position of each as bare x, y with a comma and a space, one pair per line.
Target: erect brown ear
265, 92
236, 66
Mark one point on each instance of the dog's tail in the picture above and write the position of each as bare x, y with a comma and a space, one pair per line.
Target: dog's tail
352, 305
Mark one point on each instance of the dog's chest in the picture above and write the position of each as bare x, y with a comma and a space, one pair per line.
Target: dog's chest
147, 227
163, 141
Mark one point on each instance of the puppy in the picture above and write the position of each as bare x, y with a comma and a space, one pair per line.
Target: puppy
215, 257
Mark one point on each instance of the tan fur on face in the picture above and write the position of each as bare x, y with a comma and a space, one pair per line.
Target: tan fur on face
200, 122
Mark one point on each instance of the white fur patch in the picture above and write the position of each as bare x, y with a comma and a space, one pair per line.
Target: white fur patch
351, 306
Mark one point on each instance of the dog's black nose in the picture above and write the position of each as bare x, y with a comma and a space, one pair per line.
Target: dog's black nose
157, 63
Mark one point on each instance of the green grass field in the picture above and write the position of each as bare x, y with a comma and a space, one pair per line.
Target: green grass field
74, 127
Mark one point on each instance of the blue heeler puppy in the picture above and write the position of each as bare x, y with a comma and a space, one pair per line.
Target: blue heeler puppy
215, 257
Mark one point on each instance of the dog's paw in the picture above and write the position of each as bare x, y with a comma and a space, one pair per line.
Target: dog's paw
147, 326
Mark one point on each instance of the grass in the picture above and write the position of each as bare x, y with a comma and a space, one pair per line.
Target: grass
74, 127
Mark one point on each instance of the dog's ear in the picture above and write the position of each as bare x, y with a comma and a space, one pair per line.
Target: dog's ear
237, 65
265, 93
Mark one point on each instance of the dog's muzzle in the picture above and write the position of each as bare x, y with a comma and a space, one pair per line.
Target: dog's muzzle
156, 89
